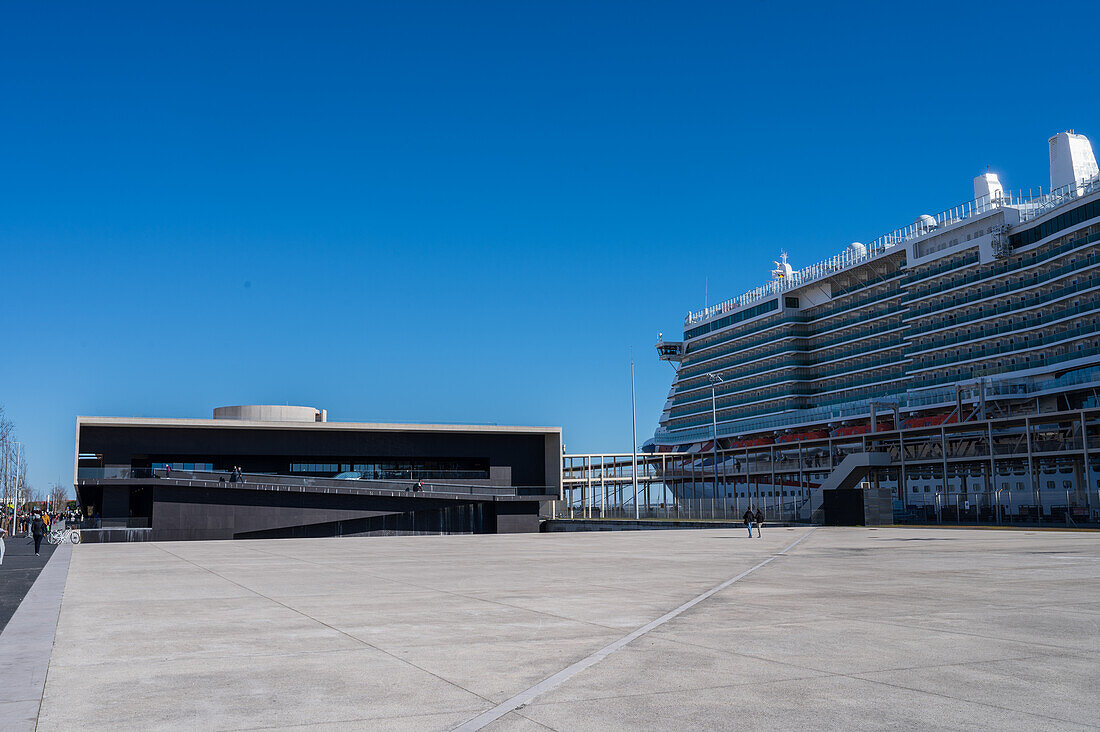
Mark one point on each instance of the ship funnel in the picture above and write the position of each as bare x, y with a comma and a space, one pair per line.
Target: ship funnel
988, 187
1071, 160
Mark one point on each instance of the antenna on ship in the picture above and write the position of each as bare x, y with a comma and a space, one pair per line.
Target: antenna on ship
782, 271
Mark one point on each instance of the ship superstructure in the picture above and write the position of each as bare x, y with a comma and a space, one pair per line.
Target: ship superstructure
989, 309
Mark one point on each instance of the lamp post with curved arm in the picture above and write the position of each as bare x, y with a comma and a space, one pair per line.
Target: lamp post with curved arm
715, 380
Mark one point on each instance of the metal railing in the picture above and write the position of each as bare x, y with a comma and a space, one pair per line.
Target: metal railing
1008, 307
1038, 205
997, 290
814, 374
1029, 206
1023, 325
263, 481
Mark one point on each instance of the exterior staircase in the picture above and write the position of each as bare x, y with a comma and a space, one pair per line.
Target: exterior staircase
849, 474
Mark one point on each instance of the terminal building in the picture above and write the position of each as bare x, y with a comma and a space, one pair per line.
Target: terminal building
279, 471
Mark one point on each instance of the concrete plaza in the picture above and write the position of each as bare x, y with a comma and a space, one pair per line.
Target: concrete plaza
850, 628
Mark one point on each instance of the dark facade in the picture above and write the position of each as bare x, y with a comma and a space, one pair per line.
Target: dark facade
476, 479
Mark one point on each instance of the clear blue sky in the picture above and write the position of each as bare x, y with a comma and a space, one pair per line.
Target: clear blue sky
465, 211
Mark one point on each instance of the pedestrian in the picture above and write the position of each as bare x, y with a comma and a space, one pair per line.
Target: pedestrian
3, 533
419, 486
240, 474
167, 470
759, 521
38, 530
749, 518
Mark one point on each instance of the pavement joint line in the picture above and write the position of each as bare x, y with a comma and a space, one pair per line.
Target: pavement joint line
218, 654
313, 725
969, 701
331, 627
520, 714
665, 692
826, 672
1051, 646
526, 696
816, 677
471, 597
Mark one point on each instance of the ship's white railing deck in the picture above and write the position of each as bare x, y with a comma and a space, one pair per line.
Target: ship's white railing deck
1038, 205
1030, 205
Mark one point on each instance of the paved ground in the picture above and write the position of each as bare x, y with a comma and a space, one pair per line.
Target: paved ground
851, 628
18, 572
26, 644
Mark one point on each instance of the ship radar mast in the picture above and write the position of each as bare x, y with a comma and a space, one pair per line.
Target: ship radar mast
782, 271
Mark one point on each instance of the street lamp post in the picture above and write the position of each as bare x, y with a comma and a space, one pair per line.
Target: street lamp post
15, 483
715, 380
634, 444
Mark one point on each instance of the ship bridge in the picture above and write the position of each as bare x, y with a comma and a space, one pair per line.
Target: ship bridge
669, 350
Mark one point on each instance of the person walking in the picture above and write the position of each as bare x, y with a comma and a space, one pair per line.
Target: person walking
749, 519
38, 530
759, 521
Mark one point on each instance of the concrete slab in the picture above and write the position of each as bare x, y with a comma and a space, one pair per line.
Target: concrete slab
26, 644
853, 628
19, 571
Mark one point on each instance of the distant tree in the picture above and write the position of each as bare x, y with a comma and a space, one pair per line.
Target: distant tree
31, 495
59, 496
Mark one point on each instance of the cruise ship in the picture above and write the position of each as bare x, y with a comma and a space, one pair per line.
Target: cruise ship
964, 346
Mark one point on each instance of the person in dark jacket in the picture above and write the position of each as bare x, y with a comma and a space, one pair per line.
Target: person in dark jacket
38, 530
749, 520
759, 521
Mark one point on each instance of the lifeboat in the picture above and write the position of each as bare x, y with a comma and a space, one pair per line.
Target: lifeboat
801, 436
753, 442
860, 429
934, 420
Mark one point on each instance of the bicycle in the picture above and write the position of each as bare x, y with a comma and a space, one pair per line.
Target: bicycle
60, 536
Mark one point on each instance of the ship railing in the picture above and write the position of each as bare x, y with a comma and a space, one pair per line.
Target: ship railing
1037, 205
1030, 205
